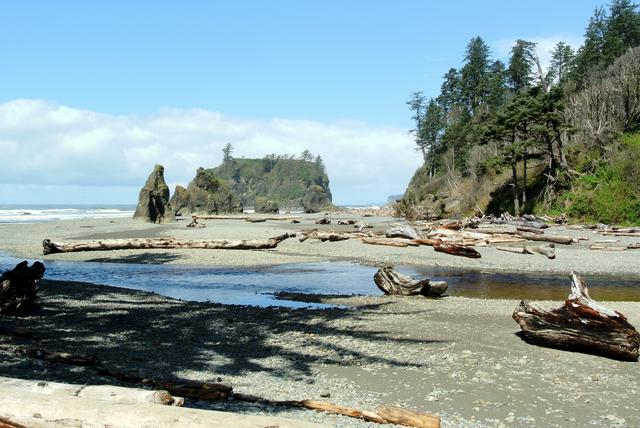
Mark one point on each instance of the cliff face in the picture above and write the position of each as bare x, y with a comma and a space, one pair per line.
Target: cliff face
205, 194
153, 200
279, 182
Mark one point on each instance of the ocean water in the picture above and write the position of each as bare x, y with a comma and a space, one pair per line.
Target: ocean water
39, 213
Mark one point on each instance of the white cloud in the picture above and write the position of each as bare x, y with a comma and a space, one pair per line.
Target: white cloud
544, 46
45, 144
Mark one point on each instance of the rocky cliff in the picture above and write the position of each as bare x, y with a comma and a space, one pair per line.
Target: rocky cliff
205, 194
153, 200
276, 182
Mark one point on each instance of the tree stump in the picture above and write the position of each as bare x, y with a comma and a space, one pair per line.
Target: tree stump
581, 325
19, 288
394, 283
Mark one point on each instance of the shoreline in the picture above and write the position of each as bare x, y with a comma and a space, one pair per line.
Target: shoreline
24, 241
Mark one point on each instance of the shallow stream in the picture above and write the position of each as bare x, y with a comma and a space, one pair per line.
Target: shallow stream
256, 286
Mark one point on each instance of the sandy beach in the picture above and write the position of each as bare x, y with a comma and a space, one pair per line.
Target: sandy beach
455, 356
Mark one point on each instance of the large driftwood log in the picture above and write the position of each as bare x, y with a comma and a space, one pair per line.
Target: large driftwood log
565, 240
392, 282
245, 218
391, 242
19, 288
50, 247
546, 250
114, 394
382, 415
402, 231
457, 250
581, 325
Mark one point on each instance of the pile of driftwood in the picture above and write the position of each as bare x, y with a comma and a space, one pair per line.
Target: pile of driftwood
19, 288
581, 324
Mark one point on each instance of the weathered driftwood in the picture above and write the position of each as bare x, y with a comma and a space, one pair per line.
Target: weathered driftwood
234, 217
402, 231
391, 242
616, 233
50, 247
529, 230
256, 220
114, 394
194, 223
634, 246
565, 240
323, 220
323, 236
390, 281
216, 391
457, 250
546, 250
19, 288
346, 222
608, 248
581, 325
382, 415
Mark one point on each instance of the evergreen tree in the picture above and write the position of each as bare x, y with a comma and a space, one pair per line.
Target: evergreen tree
226, 152
417, 106
474, 73
497, 85
432, 126
622, 30
591, 53
450, 91
521, 65
562, 63
306, 155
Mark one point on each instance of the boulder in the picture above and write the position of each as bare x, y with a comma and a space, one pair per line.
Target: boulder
315, 200
153, 200
267, 206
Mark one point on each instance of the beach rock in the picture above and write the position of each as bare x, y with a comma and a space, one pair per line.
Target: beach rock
205, 194
315, 200
264, 205
153, 200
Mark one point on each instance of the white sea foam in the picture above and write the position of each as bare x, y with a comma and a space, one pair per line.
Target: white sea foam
35, 214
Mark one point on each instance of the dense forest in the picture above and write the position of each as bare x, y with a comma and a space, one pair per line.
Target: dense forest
522, 137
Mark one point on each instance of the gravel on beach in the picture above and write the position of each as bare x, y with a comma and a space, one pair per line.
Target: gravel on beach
455, 356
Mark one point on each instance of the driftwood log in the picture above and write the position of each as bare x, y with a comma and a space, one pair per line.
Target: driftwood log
391, 242
114, 394
581, 325
19, 288
245, 218
457, 250
50, 247
382, 414
323, 236
392, 282
565, 240
547, 250
216, 391
402, 231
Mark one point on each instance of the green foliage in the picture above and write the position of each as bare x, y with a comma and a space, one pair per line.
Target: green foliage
610, 191
520, 65
280, 179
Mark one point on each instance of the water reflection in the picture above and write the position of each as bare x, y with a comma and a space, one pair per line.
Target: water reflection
255, 286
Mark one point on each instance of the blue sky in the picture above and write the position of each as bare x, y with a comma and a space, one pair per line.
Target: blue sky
330, 67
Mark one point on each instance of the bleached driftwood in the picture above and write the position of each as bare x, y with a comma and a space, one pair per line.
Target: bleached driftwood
546, 250
50, 247
323, 236
233, 217
391, 242
390, 281
581, 325
402, 231
113, 394
382, 414
457, 250
19, 288
565, 240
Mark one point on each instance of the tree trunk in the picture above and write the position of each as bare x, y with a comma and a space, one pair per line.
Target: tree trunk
19, 288
524, 180
390, 242
514, 178
581, 325
50, 247
394, 283
457, 250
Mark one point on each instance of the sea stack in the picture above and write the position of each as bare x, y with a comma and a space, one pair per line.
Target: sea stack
153, 201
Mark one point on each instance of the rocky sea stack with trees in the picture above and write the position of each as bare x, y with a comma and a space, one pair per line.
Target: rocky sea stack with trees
270, 184
516, 137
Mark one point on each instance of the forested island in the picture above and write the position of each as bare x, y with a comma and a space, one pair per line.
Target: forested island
516, 137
